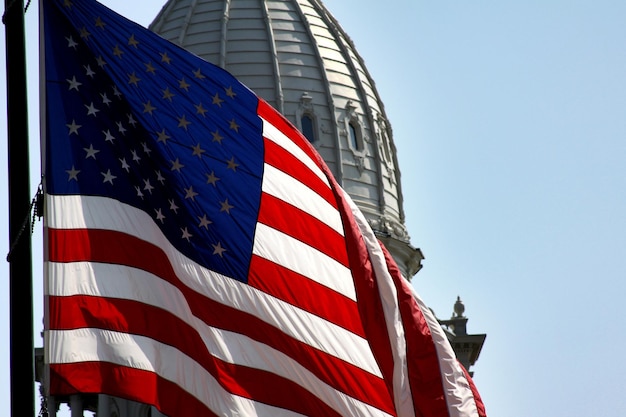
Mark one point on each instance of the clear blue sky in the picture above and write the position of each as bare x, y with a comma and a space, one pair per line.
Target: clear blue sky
510, 124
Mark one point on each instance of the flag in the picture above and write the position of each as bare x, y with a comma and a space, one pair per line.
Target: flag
201, 258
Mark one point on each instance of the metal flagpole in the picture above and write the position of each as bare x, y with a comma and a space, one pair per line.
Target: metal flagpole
20, 256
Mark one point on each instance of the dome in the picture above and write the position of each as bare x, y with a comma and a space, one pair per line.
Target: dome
295, 55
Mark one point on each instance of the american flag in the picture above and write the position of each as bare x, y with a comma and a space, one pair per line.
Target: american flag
200, 256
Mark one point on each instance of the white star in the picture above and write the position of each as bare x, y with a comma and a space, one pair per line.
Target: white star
163, 137
148, 107
183, 122
200, 109
147, 150
147, 186
74, 84
183, 84
204, 222
176, 165
84, 33
136, 157
73, 174
117, 51
232, 164
167, 94
139, 193
226, 206
125, 165
108, 137
230, 93
173, 206
132, 41
160, 216
190, 193
105, 99
150, 68
91, 152
108, 177
160, 177
101, 61
165, 58
99, 23
74, 127
133, 79
71, 43
90, 73
121, 128
91, 110
116, 92
197, 150
218, 249
186, 234
131, 120
198, 74
211, 178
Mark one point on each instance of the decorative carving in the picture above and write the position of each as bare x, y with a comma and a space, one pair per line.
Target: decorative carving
306, 102
390, 228
359, 160
391, 174
459, 307
351, 111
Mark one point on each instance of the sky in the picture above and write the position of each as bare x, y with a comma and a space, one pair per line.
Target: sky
509, 119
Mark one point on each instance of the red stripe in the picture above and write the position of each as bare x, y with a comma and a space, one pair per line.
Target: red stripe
480, 405
130, 383
303, 227
132, 317
279, 158
367, 293
429, 397
119, 248
368, 296
307, 294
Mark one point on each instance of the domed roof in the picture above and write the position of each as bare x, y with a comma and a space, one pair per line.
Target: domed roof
295, 55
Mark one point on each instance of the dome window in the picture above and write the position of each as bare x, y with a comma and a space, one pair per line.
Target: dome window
306, 121
306, 118
354, 139
353, 128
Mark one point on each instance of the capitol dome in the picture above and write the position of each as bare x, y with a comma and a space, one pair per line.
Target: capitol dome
295, 55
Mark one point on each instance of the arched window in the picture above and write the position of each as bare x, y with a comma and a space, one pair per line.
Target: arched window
306, 121
386, 150
354, 139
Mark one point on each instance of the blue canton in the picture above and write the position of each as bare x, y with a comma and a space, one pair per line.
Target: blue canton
150, 125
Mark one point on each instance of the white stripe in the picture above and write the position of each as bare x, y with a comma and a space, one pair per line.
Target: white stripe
292, 191
272, 133
72, 346
459, 396
291, 253
122, 282
239, 352
388, 295
79, 212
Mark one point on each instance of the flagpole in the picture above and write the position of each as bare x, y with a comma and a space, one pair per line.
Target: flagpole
20, 256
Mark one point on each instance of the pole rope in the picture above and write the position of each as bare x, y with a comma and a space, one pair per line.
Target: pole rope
9, 6
37, 203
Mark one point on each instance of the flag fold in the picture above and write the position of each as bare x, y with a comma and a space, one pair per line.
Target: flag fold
201, 258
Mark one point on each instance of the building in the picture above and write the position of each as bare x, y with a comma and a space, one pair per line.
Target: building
295, 55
